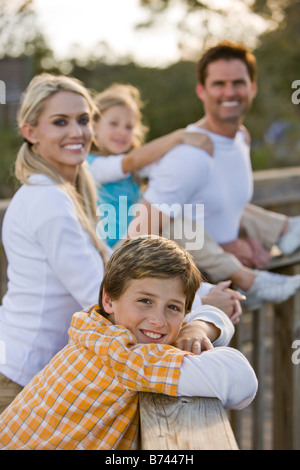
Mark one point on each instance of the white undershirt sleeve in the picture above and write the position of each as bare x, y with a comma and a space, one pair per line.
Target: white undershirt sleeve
107, 169
214, 315
222, 373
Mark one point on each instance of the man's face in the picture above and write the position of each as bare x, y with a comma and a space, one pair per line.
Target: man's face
228, 92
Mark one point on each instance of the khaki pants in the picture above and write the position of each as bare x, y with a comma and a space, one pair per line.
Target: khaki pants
262, 224
217, 265
8, 391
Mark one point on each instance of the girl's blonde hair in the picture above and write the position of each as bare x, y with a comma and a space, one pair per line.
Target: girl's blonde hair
122, 95
28, 162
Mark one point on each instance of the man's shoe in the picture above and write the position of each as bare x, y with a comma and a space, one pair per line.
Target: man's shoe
290, 240
270, 287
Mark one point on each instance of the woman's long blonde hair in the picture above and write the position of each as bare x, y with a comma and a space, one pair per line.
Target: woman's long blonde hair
28, 162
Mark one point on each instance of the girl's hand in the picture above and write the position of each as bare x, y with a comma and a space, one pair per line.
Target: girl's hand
198, 139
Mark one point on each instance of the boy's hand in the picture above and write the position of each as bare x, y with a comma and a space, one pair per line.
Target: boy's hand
194, 338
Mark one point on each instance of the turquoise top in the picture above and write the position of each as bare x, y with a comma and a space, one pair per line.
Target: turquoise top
114, 202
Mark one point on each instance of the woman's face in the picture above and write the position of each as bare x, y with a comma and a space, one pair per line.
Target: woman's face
63, 133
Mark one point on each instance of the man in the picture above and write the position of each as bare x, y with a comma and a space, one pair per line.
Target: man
224, 185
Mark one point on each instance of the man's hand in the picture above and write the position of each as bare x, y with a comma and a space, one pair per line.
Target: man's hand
261, 256
197, 337
241, 250
250, 252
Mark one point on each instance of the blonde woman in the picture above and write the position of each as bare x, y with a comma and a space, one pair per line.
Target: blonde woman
55, 260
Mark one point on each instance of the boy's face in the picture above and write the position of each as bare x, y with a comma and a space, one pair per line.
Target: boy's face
152, 309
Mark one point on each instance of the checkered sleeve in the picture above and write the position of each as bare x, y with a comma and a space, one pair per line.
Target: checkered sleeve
147, 368
138, 367
85, 398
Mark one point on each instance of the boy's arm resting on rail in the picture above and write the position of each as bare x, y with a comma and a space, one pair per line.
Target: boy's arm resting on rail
206, 321
222, 373
219, 372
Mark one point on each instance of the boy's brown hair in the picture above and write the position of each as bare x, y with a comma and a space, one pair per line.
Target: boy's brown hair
228, 51
149, 256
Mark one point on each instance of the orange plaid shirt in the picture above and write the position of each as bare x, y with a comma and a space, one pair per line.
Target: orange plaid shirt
86, 397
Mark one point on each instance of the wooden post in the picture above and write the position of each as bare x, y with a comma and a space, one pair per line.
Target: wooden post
184, 423
259, 367
286, 431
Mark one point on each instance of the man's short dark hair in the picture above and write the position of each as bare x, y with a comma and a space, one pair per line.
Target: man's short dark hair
227, 51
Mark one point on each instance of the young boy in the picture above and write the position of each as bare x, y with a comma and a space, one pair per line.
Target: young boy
87, 396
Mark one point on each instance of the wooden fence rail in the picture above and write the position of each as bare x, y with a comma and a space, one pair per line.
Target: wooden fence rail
185, 423
265, 336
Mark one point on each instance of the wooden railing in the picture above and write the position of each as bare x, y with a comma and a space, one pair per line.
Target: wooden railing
184, 423
266, 337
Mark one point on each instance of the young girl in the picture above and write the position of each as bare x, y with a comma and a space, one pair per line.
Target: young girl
119, 153
48, 230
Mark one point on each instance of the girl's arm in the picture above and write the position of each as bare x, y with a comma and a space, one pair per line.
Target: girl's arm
152, 151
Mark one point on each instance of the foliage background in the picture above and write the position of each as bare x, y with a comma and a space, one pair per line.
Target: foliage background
168, 92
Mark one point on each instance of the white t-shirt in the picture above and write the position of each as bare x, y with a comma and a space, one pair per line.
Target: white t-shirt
107, 169
223, 182
54, 270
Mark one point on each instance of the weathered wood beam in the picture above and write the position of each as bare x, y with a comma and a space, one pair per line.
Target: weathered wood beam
184, 423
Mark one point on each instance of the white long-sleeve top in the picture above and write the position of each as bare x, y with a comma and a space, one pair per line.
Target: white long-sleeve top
54, 270
109, 169
222, 372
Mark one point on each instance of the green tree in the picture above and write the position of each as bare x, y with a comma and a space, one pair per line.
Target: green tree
201, 24
278, 67
20, 35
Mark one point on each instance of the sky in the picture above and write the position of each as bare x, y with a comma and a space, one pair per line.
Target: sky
87, 22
